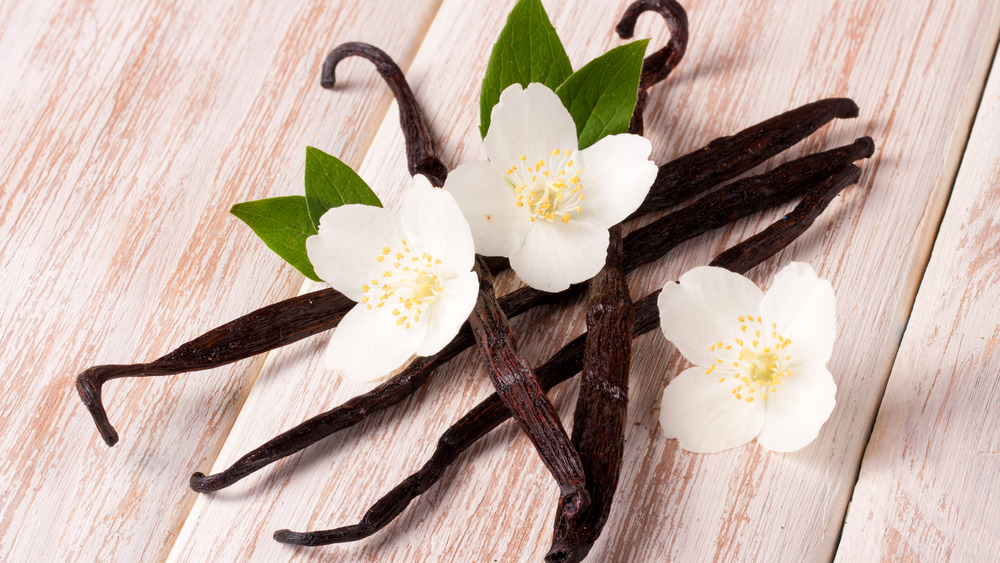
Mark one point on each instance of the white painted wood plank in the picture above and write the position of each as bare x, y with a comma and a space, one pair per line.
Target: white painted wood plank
927, 489
915, 69
128, 131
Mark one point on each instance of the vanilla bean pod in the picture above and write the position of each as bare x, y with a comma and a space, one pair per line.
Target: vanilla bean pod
762, 245
740, 199
733, 202
509, 371
266, 328
392, 391
564, 364
727, 157
602, 403
657, 66
517, 386
519, 390
601, 407
421, 155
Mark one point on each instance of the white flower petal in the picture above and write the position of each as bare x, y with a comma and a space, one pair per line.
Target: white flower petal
556, 254
450, 310
702, 309
797, 409
434, 224
368, 344
616, 177
350, 237
704, 416
488, 202
531, 122
803, 307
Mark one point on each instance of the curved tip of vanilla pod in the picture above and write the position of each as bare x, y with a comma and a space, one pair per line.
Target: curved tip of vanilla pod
88, 385
669, 9
383, 62
328, 76
201, 483
626, 26
657, 65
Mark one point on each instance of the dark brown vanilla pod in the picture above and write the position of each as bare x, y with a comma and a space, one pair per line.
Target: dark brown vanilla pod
421, 155
356, 409
642, 246
602, 402
477, 423
517, 385
601, 407
315, 429
564, 364
265, 329
657, 66
519, 390
764, 244
727, 157
740, 199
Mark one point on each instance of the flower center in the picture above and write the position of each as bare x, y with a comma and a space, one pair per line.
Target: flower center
408, 285
755, 363
551, 190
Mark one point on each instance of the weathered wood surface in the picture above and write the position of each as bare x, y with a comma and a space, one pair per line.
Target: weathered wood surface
128, 131
927, 487
172, 114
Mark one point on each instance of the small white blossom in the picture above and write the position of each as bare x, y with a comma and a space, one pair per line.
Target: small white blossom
760, 360
410, 272
540, 201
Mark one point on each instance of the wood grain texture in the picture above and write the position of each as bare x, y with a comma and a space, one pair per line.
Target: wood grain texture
128, 131
915, 71
124, 174
927, 488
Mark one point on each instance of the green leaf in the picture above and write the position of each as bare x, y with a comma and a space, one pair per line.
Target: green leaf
527, 50
601, 95
283, 223
331, 183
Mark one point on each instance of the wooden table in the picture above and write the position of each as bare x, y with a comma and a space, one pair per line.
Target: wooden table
128, 129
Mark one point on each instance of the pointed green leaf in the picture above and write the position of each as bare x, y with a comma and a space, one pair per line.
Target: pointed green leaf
601, 95
527, 50
331, 183
283, 224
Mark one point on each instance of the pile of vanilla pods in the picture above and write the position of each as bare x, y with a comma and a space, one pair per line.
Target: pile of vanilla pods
587, 464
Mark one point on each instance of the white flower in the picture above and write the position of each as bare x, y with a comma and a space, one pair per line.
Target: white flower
760, 360
410, 272
541, 202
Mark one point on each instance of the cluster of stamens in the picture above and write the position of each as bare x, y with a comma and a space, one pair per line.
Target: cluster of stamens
756, 361
551, 190
408, 285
